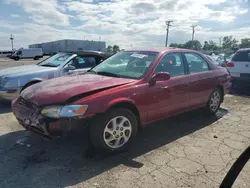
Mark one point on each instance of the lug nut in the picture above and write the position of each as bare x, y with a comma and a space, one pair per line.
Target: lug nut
121, 129
121, 134
117, 136
117, 128
114, 133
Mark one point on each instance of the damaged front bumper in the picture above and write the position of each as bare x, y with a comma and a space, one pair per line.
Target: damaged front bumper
29, 116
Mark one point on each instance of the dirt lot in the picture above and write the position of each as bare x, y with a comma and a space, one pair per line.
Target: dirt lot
190, 150
6, 62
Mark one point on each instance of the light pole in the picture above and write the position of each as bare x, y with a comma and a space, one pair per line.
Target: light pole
11, 38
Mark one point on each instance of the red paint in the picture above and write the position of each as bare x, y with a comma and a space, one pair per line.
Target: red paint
154, 102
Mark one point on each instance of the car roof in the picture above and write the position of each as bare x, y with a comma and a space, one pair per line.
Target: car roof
162, 50
88, 52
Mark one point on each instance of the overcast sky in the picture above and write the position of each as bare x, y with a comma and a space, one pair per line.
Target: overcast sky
136, 23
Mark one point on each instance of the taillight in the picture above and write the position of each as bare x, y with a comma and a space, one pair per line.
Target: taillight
230, 64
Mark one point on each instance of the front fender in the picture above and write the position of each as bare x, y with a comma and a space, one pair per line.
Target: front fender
119, 101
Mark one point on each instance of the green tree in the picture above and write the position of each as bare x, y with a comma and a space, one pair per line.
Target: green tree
245, 43
109, 48
229, 42
206, 46
195, 45
116, 48
210, 45
180, 45
174, 45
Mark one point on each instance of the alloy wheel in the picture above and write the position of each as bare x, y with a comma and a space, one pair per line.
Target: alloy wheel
215, 101
117, 132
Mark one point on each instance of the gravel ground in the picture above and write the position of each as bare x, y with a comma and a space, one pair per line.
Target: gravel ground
189, 150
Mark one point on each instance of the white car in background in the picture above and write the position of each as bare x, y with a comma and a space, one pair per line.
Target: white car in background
239, 67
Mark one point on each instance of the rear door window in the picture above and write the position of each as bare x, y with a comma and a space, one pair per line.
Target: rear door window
242, 56
196, 63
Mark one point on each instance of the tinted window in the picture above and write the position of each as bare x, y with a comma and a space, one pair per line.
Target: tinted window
171, 63
83, 62
241, 56
196, 63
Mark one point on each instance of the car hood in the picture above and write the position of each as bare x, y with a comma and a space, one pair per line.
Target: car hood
23, 70
59, 90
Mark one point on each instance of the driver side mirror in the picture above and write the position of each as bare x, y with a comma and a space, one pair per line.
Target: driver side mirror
160, 76
69, 68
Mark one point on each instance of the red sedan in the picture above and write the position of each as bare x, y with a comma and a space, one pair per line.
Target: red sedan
128, 90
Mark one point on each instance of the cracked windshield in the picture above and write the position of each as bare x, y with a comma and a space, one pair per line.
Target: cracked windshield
124, 93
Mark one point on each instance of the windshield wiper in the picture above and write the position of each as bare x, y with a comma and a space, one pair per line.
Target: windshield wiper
108, 74
49, 65
92, 71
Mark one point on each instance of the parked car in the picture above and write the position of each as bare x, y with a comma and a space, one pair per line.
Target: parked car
31, 53
213, 59
124, 93
239, 67
15, 79
6, 53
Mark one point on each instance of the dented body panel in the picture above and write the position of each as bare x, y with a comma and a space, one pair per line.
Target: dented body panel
153, 102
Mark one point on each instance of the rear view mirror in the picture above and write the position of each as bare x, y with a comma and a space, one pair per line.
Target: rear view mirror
160, 76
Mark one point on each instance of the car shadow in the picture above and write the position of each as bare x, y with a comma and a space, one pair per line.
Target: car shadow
241, 91
5, 108
29, 161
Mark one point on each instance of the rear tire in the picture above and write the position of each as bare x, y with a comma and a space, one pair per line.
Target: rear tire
114, 130
36, 58
214, 101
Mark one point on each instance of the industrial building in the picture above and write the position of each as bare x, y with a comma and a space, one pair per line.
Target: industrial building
69, 45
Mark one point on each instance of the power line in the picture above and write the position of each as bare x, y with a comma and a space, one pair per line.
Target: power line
168, 25
193, 28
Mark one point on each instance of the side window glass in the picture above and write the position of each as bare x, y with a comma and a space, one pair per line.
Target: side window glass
171, 63
86, 62
196, 63
80, 60
74, 63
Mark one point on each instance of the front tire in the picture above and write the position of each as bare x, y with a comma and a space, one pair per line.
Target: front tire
114, 130
214, 101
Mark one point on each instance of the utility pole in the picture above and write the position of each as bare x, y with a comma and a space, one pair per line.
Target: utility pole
99, 43
168, 25
220, 41
11, 39
193, 27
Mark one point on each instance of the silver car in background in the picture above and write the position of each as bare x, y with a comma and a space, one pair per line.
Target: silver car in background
15, 79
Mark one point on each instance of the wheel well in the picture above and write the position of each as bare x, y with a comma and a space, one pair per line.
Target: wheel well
131, 107
222, 92
29, 84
